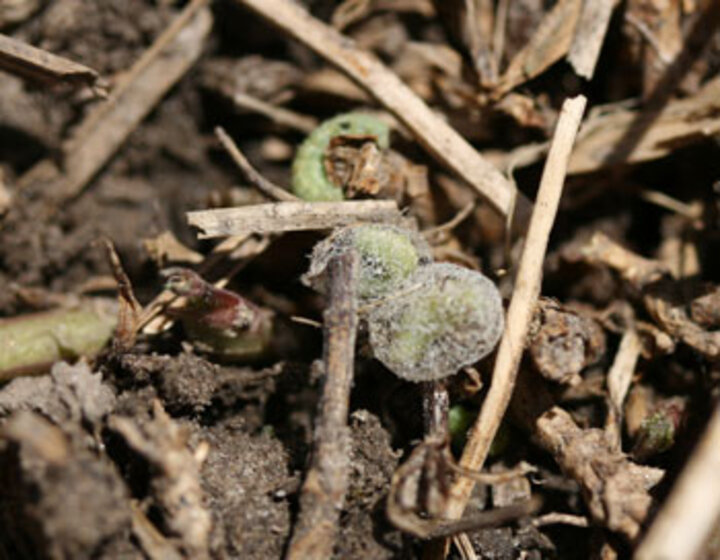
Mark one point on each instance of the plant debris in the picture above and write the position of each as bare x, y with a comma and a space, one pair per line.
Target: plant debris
359, 279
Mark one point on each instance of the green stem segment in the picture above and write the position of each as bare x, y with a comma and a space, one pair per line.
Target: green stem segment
31, 343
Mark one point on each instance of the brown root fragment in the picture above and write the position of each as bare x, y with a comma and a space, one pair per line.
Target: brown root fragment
421, 487
615, 489
665, 299
564, 342
176, 486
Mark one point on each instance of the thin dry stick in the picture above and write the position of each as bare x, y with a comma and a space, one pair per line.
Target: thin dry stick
618, 381
691, 512
40, 65
323, 492
434, 134
527, 290
280, 115
263, 185
277, 217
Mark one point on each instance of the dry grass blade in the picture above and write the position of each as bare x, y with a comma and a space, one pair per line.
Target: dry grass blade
690, 513
291, 216
40, 65
433, 133
590, 35
527, 290
619, 379
549, 44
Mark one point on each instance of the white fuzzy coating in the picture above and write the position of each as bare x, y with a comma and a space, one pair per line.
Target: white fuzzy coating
388, 256
450, 317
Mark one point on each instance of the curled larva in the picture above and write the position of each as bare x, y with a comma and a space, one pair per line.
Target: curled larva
388, 256
309, 180
448, 318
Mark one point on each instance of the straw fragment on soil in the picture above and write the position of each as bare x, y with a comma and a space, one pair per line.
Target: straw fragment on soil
291, 216
40, 65
689, 515
522, 305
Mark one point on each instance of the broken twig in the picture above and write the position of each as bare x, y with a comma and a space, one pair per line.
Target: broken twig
323, 493
40, 65
291, 216
263, 185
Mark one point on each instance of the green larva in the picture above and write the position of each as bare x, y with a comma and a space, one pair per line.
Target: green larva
309, 180
388, 255
453, 320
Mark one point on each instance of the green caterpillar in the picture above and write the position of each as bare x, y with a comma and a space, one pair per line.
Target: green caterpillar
309, 180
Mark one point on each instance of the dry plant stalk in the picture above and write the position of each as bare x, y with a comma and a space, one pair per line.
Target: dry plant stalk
689, 515
550, 42
590, 35
434, 134
291, 216
526, 292
618, 381
323, 492
525, 295
40, 65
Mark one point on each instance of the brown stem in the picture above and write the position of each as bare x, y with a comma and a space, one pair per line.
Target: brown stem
323, 492
436, 404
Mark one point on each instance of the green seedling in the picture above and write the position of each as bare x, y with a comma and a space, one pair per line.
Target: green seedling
388, 256
658, 431
32, 343
217, 321
452, 319
460, 418
309, 179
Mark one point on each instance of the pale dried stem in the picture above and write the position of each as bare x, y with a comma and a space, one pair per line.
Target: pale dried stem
279, 217
433, 133
40, 65
618, 380
522, 305
590, 36
690, 513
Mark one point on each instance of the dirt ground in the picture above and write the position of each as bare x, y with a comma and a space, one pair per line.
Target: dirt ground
161, 449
